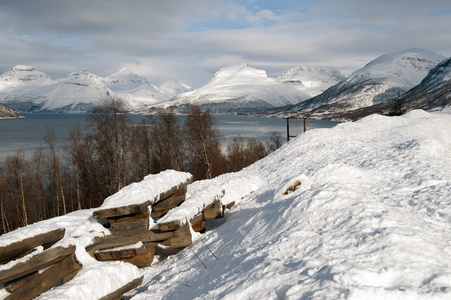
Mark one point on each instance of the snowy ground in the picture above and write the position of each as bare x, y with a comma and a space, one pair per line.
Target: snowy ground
370, 220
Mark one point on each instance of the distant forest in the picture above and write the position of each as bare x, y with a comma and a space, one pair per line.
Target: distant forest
57, 179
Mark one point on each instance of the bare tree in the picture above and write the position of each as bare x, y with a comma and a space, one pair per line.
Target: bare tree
242, 153
141, 150
3, 197
236, 152
73, 147
16, 168
111, 130
167, 141
203, 146
50, 140
39, 188
275, 141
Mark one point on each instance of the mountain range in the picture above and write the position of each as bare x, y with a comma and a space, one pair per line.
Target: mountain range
242, 89
383, 79
304, 90
27, 89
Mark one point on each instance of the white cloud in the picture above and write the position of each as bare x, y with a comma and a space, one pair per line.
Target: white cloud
190, 40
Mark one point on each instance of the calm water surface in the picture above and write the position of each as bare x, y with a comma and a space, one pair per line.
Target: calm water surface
27, 133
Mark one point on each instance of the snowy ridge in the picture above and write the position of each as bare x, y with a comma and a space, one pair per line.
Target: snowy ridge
75, 90
239, 88
26, 89
25, 74
384, 78
312, 80
434, 91
135, 90
172, 88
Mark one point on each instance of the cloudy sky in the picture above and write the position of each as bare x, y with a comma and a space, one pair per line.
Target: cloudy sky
189, 40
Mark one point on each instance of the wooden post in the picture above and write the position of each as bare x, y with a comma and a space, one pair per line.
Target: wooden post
305, 124
288, 129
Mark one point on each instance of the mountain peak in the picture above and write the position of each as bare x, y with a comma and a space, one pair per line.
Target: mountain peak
311, 79
174, 87
125, 77
23, 73
239, 71
407, 68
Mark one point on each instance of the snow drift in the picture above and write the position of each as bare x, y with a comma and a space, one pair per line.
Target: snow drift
370, 220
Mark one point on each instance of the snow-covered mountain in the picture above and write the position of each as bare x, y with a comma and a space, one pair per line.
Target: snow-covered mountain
78, 92
384, 78
312, 80
172, 88
134, 90
238, 88
434, 91
7, 113
26, 89
22, 88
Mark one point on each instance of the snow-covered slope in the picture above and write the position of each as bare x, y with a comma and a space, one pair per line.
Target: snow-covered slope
172, 88
135, 90
22, 87
312, 80
22, 73
382, 79
239, 88
26, 89
434, 91
78, 92
370, 220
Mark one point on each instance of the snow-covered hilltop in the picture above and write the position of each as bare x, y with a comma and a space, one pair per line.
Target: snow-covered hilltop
238, 89
26, 89
384, 78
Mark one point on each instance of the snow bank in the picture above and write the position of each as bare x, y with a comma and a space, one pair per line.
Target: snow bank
370, 222
149, 189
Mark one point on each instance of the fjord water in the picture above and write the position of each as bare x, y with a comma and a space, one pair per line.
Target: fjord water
27, 133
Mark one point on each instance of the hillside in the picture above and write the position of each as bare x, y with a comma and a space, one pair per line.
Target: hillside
433, 93
8, 113
369, 220
384, 78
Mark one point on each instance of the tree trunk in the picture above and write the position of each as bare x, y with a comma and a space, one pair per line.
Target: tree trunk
22, 198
